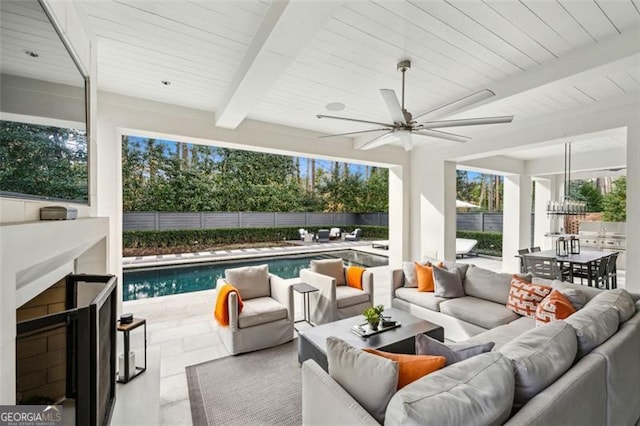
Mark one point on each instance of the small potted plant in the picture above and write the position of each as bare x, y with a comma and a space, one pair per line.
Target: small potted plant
373, 316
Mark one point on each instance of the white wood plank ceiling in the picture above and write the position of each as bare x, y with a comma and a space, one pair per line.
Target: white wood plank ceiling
205, 48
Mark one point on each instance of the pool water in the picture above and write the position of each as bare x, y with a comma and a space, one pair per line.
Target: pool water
166, 280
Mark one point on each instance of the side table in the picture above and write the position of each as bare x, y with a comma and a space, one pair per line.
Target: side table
305, 289
126, 376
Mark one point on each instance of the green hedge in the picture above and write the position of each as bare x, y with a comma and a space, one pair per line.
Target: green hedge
220, 236
488, 242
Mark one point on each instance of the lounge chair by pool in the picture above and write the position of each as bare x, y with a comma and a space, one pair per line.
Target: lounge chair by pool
465, 246
382, 244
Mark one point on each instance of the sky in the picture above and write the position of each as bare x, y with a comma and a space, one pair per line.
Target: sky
325, 165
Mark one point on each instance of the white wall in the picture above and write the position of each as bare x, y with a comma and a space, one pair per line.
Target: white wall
34, 255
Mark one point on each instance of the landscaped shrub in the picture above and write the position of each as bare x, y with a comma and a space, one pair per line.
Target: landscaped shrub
488, 242
221, 236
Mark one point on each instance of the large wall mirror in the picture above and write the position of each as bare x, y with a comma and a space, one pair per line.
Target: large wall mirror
44, 109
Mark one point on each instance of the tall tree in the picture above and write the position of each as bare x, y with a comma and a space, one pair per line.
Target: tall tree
615, 202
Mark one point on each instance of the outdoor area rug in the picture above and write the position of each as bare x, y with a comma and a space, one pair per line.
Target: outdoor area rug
256, 388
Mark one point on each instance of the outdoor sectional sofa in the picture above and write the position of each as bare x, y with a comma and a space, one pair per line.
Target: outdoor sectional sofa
584, 370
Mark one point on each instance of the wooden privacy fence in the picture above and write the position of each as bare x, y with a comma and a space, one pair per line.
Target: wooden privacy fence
161, 221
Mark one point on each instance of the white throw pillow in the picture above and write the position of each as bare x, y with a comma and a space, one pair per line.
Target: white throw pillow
410, 275
250, 281
333, 268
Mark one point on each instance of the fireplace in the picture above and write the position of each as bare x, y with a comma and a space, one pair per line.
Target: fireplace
66, 347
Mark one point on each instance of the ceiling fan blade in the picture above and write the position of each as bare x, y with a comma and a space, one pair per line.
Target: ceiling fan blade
378, 141
405, 138
441, 135
456, 105
354, 133
395, 110
466, 122
334, 117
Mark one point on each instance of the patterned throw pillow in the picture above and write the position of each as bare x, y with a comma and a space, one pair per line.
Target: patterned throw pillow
524, 297
554, 307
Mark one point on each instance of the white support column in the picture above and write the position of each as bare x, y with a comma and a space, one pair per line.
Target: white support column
434, 214
516, 222
632, 277
399, 208
546, 189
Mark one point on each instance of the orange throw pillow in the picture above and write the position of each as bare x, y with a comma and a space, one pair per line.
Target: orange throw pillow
424, 275
221, 312
524, 297
554, 307
354, 276
412, 367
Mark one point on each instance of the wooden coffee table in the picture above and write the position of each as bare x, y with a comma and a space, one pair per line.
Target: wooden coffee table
312, 342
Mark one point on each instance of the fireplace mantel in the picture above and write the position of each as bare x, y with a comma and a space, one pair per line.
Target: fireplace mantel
33, 256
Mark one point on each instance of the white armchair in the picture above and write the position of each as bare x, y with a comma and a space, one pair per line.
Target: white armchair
267, 317
335, 300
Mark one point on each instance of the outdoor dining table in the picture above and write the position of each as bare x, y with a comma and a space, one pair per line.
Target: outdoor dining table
589, 258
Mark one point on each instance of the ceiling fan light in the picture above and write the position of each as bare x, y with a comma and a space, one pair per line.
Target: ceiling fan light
335, 106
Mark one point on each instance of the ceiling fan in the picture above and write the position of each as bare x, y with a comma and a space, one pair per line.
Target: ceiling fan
404, 125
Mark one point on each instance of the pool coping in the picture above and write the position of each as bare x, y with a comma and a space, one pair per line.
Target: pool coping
248, 253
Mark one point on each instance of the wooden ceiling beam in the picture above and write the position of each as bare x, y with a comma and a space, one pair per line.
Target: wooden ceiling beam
287, 28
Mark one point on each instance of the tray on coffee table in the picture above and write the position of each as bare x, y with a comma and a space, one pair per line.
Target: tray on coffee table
363, 330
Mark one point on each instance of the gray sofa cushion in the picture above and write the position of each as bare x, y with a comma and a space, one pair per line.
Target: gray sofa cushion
251, 281
477, 391
331, 267
425, 299
540, 356
505, 333
577, 297
589, 292
478, 311
260, 310
488, 285
447, 284
593, 325
453, 352
370, 379
619, 299
349, 296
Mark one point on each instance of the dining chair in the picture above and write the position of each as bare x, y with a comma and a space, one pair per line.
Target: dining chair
543, 267
520, 253
612, 271
596, 273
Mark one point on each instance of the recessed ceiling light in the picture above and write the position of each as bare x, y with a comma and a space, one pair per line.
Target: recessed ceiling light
335, 106
166, 82
31, 53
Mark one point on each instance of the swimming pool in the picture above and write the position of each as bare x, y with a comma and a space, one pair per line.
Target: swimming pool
165, 280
